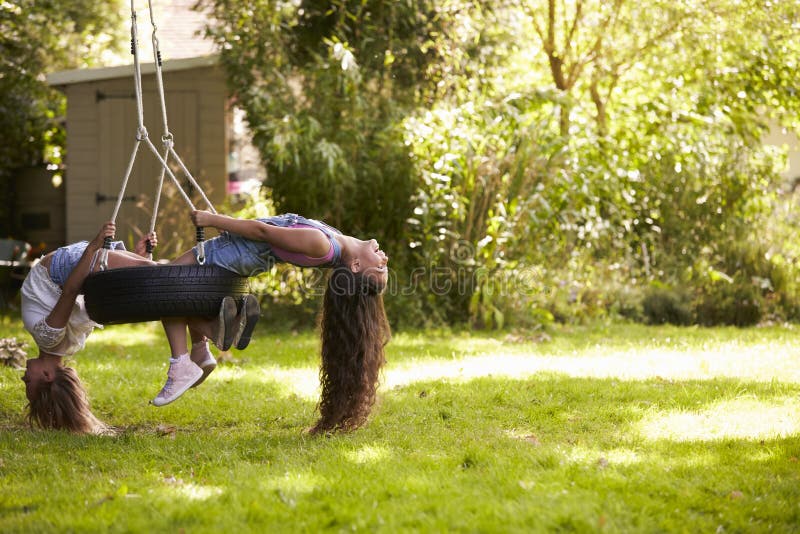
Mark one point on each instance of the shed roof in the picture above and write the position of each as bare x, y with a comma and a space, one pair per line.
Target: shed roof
68, 77
180, 30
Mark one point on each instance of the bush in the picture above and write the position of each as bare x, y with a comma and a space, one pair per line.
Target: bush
734, 303
662, 304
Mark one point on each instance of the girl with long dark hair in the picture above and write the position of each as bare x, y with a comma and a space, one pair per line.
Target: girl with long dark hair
353, 324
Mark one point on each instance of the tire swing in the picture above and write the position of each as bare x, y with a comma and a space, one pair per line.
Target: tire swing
138, 294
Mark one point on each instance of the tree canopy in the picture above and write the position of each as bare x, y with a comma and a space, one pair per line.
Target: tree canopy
37, 37
573, 142
522, 160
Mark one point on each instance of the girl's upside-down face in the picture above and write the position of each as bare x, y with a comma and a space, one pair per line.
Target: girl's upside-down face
37, 373
372, 262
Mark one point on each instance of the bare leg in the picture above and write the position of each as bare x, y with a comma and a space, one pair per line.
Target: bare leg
187, 258
200, 328
175, 328
122, 258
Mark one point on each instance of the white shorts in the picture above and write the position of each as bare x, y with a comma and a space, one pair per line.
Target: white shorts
39, 296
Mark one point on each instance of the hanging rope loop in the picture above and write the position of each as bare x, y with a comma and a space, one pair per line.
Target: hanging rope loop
201, 245
104, 253
156, 48
133, 31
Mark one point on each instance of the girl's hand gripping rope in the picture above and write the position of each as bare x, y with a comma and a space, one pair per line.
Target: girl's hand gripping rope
145, 245
202, 218
103, 242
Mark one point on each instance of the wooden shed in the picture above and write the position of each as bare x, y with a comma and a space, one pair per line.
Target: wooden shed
101, 132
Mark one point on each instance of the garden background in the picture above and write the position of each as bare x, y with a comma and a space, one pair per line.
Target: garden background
521, 162
533, 169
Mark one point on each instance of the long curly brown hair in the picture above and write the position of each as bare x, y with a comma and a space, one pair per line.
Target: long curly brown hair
64, 405
354, 331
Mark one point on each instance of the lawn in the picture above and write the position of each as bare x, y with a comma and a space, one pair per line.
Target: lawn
618, 428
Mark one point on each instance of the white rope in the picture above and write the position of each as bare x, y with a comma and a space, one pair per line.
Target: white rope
157, 62
104, 253
164, 165
192, 180
201, 251
167, 138
142, 135
137, 71
157, 201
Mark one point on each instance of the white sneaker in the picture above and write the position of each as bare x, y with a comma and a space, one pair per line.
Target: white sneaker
202, 357
182, 374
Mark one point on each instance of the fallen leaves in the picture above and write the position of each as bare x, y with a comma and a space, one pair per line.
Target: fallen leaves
12, 352
167, 431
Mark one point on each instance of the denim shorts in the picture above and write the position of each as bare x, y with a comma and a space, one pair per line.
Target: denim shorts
246, 257
66, 258
243, 256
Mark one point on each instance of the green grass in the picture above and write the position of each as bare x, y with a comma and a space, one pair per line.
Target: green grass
617, 428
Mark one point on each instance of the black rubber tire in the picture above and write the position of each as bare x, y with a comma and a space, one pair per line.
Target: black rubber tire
138, 294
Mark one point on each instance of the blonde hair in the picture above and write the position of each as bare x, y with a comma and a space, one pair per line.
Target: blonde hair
64, 405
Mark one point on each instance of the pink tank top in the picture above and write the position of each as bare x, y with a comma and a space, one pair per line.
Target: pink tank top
295, 258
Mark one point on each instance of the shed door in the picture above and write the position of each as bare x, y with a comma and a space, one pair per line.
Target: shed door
118, 126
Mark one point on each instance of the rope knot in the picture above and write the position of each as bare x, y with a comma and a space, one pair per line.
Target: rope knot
141, 133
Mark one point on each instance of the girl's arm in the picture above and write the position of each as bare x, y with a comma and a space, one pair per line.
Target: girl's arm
59, 316
308, 241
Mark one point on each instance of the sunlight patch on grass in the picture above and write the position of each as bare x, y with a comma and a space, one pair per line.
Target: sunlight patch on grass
477, 345
732, 419
754, 362
601, 458
368, 454
127, 337
762, 456
229, 373
196, 492
460, 369
293, 483
302, 382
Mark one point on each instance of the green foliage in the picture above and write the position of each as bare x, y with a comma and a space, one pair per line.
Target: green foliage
729, 303
665, 305
323, 87
327, 89
36, 38
489, 145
